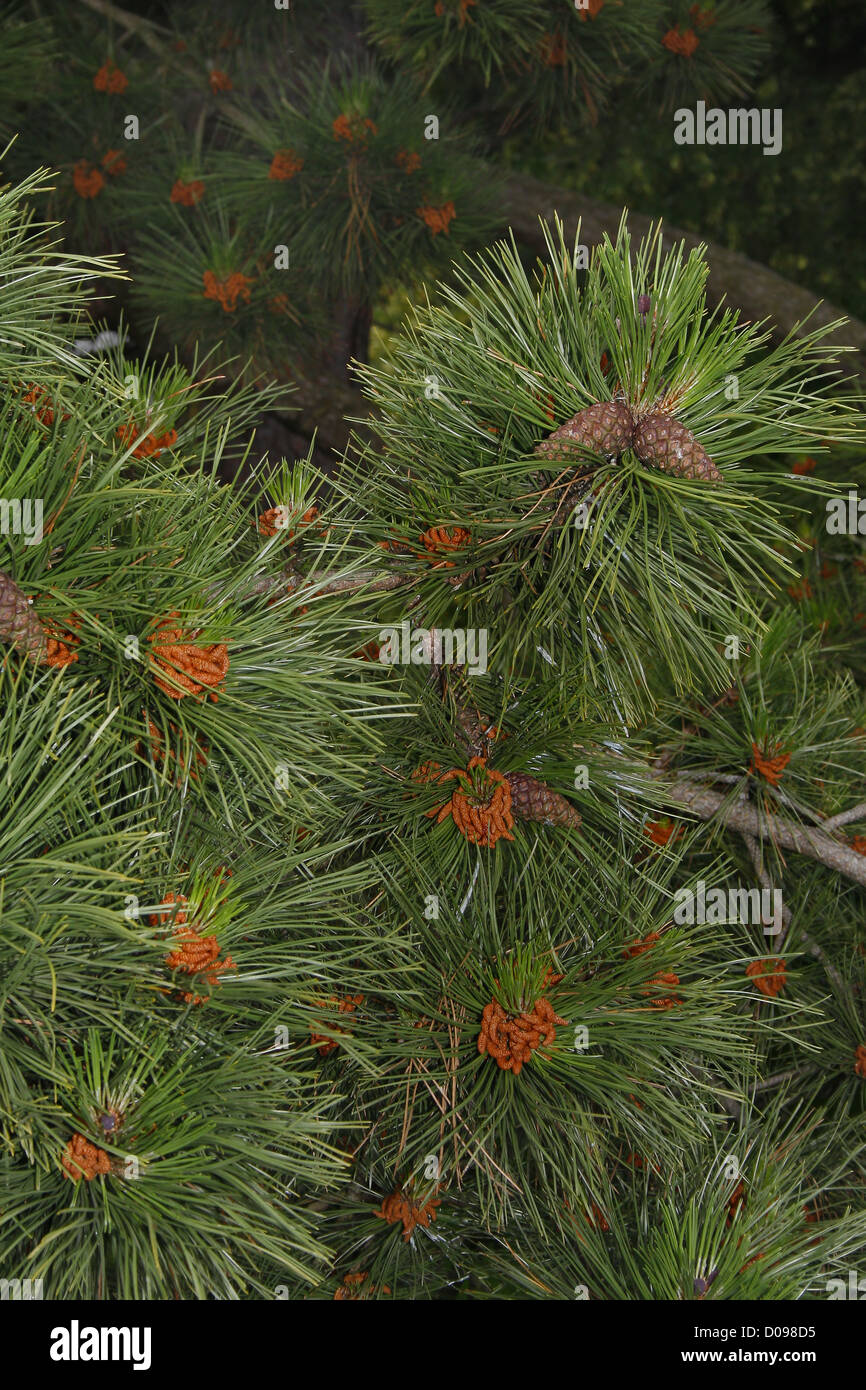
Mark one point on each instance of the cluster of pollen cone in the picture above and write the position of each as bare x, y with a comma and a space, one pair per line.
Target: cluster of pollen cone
610, 428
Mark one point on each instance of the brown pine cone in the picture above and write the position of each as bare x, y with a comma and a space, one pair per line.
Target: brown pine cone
19, 624
532, 800
605, 428
662, 442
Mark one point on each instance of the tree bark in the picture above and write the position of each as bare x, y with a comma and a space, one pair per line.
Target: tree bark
744, 819
350, 338
322, 404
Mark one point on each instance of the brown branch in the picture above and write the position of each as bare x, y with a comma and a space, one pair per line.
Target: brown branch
845, 817
145, 29
779, 1078
744, 819
324, 405
756, 852
755, 849
375, 581
820, 954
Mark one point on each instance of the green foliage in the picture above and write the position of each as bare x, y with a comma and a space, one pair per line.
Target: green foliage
291, 203
119, 798
485, 373
782, 1236
352, 182
708, 52
796, 213
278, 1014
28, 49
543, 59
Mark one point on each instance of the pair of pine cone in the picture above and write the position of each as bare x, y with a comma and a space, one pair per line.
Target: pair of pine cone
609, 428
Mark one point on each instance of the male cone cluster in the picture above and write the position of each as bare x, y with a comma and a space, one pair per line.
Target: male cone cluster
609, 428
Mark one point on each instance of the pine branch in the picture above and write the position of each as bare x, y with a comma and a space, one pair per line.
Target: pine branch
769, 1083
756, 290
857, 812
373, 580
144, 28
710, 779
815, 844
532, 800
820, 954
667, 755
755, 853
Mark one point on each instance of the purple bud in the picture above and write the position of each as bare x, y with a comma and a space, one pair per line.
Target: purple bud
108, 1122
703, 1284
643, 305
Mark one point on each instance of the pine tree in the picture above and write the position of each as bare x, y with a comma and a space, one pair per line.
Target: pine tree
440, 876
165, 838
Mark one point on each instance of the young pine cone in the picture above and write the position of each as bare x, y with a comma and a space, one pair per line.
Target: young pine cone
662, 442
606, 428
532, 800
19, 625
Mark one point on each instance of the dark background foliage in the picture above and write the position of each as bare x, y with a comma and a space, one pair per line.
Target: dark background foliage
802, 212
